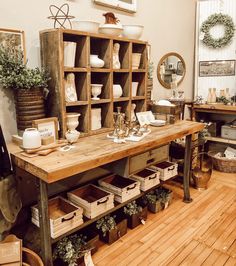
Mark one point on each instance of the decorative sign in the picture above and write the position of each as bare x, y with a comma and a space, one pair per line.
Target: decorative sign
47, 127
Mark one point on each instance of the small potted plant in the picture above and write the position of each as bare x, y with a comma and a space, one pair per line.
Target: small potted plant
26, 83
165, 196
153, 202
69, 250
135, 214
110, 230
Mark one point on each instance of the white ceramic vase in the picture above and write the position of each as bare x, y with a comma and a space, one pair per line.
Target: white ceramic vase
96, 118
31, 138
136, 57
95, 61
96, 90
134, 88
69, 54
72, 122
117, 91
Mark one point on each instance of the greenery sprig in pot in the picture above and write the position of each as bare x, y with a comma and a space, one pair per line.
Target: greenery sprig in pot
26, 83
135, 214
111, 228
70, 249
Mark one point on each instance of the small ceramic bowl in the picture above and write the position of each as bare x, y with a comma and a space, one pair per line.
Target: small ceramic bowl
83, 25
132, 31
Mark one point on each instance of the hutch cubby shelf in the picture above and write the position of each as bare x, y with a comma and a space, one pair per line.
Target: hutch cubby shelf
52, 55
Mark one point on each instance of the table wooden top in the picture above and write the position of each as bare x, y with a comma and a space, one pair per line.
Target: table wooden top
217, 108
97, 150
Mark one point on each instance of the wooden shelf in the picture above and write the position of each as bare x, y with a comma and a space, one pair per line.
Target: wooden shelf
77, 103
52, 54
100, 101
222, 140
121, 99
101, 130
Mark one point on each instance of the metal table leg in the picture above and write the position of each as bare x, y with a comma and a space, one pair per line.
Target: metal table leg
187, 163
45, 235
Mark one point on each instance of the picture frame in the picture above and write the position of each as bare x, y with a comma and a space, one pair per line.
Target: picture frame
125, 5
180, 68
13, 38
216, 68
145, 118
47, 127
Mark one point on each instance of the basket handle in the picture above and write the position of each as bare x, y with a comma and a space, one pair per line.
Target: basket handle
101, 202
68, 219
129, 188
152, 177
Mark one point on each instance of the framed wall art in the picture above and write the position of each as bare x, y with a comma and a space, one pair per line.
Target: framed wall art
47, 127
126, 5
13, 38
216, 68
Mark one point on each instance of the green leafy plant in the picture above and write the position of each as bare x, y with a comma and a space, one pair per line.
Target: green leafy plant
69, 249
15, 74
132, 208
222, 99
150, 70
106, 224
151, 198
163, 194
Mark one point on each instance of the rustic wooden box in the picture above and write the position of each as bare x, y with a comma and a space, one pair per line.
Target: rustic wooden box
155, 207
135, 219
115, 234
11, 251
148, 178
164, 109
167, 169
123, 188
92, 199
63, 215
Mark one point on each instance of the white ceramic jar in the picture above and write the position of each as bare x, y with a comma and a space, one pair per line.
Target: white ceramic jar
31, 138
95, 61
69, 54
117, 91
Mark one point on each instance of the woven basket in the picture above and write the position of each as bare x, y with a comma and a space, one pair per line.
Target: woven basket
223, 164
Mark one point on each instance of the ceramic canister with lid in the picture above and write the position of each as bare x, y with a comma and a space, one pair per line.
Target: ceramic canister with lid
31, 138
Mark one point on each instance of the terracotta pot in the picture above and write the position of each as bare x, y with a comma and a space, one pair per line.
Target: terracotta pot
29, 106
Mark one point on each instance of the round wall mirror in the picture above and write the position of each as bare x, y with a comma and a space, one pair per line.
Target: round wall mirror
171, 70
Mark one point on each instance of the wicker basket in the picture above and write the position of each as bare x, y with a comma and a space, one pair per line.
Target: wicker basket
223, 164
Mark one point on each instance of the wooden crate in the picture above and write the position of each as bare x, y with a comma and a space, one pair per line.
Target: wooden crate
116, 233
123, 188
155, 207
136, 219
92, 199
163, 109
167, 169
63, 215
148, 178
11, 251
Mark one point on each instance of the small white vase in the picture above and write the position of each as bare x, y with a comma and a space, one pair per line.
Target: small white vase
136, 57
117, 91
72, 122
31, 138
69, 54
134, 88
95, 61
96, 90
96, 118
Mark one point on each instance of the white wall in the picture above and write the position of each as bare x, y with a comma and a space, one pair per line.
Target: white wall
168, 27
205, 9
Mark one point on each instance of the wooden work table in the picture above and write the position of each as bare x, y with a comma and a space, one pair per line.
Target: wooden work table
91, 152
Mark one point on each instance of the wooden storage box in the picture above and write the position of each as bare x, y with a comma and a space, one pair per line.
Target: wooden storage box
167, 169
164, 109
63, 215
148, 178
92, 199
136, 219
155, 207
123, 188
116, 233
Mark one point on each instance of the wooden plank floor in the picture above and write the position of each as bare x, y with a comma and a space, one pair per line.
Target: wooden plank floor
200, 233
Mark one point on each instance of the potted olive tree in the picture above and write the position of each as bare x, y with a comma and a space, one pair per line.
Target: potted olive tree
26, 83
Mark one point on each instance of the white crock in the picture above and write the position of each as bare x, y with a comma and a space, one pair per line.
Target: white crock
117, 91
69, 54
95, 61
31, 138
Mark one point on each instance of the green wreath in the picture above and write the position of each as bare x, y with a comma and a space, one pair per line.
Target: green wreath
213, 20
